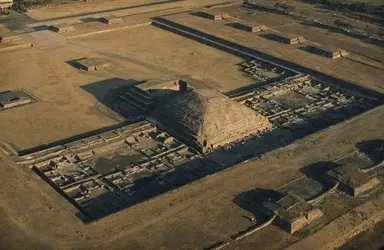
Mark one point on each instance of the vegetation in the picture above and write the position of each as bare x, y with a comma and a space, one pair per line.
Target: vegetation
342, 24
284, 7
19, 6
342, 5
23, 5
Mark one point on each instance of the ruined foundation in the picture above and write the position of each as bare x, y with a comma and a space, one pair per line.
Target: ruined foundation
213, 14
111, 19
287, 38
327, 51
250, 27
11, 99
292, 213
62, 28
352, 180
92, 64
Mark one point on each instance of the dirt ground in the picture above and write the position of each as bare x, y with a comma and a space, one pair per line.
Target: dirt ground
69, 102
369, 240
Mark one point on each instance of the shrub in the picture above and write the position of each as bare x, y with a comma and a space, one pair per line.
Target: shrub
284, 7
342, 24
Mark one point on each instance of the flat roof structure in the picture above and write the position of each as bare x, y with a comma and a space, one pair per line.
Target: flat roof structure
250, 27
213, 14
352, 180
292, 212
9, 99
92, 64
111, 19
62, 28
327, 51
285, 37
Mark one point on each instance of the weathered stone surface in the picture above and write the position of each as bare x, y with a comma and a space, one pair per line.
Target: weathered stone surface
292, 213
199, 114
352, 180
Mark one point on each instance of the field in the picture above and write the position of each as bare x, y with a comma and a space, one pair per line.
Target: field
322, 112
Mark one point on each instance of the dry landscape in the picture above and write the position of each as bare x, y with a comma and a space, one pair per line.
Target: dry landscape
191, 124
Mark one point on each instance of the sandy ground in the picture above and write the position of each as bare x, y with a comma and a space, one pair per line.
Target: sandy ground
35, 216
195, 216
66, 109
355, 72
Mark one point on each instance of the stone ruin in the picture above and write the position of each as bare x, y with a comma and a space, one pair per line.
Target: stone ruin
292, 213
352, 180
137, 100
213, 14
286, 38
263, 71
92, 64
111, 19
62, 28
9, 99
302, 101
197, 116
327, 51
250, 27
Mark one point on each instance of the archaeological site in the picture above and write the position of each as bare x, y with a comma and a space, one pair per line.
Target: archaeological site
191, 124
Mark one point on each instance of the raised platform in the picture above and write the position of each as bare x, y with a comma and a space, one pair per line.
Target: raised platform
250, 27
213, 14
92, 64
327, 51
61, 28
285, 38
10, 99
111, 19
352, 180
292, 213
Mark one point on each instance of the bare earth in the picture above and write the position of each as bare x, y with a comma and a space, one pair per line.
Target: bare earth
198, 215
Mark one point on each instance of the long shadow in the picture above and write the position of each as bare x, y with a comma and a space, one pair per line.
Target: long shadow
272, 37
147, 188
249, 53
105, 92
350, 34
316, 170
253, 199
108, 93
373, 148
41, 27
73, 138
111, 10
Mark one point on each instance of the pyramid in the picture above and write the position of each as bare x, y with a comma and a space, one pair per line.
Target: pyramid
206, 119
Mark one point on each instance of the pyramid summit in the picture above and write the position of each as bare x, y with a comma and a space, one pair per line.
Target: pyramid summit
208, 119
